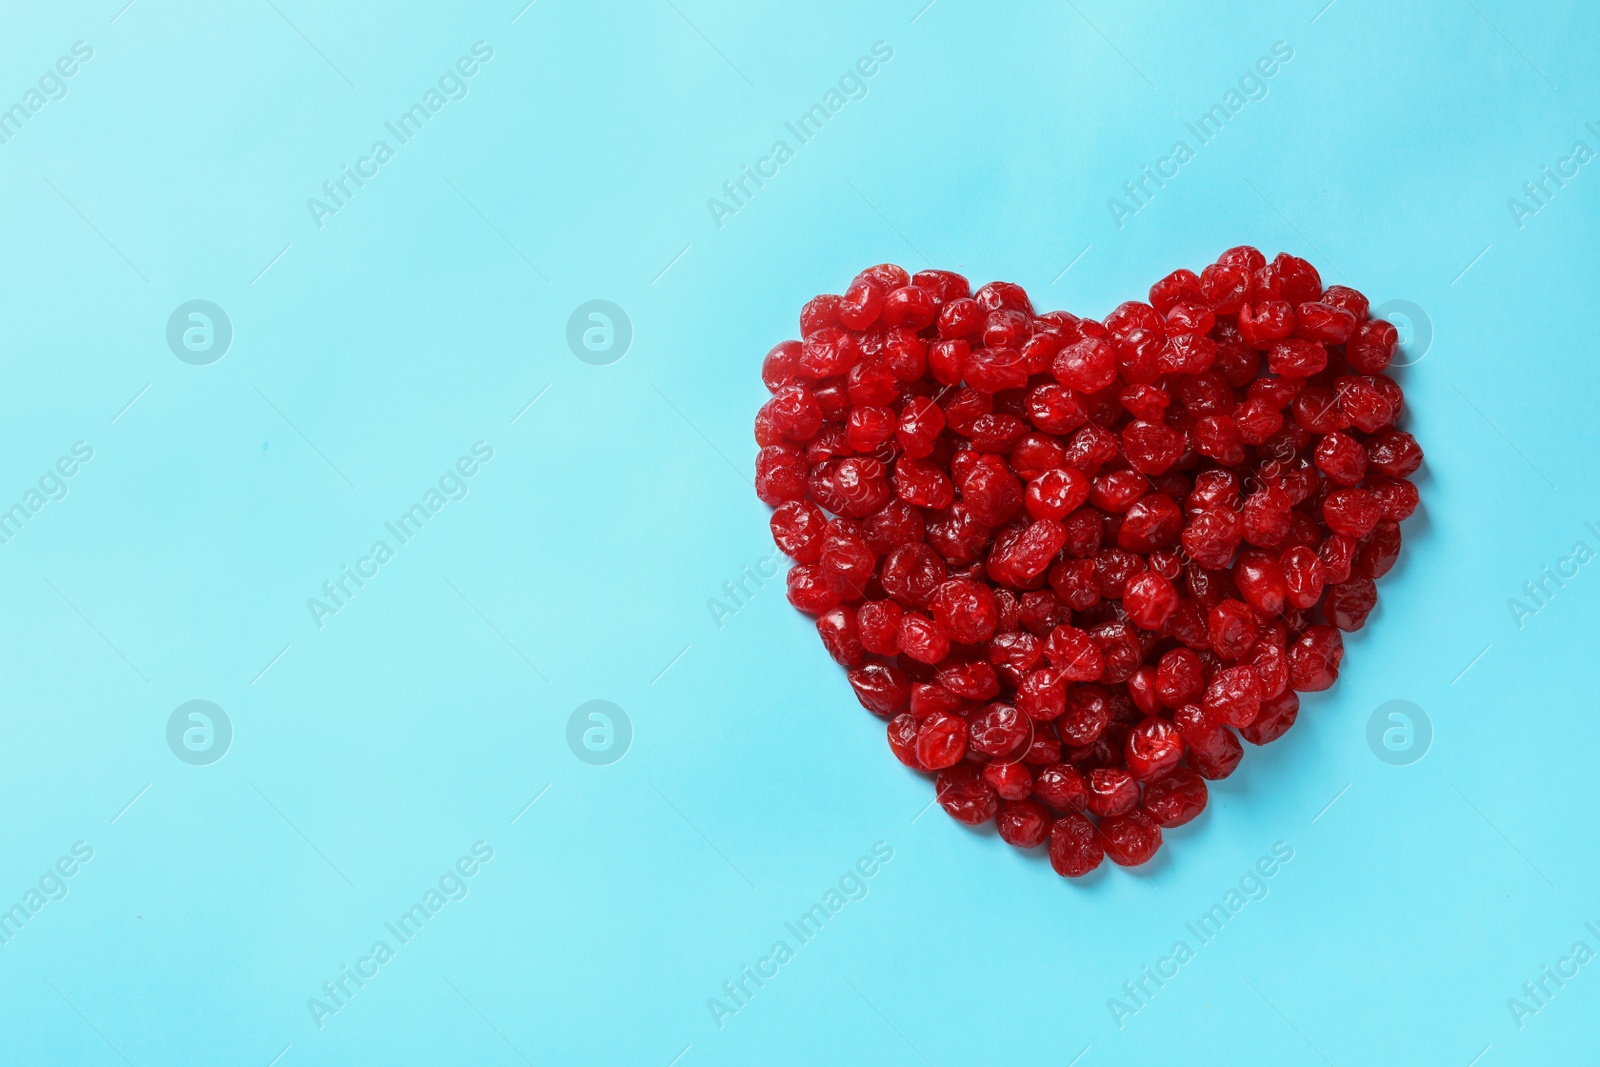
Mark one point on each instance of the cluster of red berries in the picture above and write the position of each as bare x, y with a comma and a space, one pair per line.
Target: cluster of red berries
1073, 562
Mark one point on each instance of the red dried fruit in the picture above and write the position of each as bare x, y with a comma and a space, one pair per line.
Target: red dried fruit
941, 740
1352, 512
1277, 715
1000, 731
810, 590
882, 689
966, 610
878, 626
1066, 559
1303, 577
1395, 453
903, 740
1180, 678
1075, 846
798, 528
1131, 839
962, 792
1221, 762
1111, 791
1233, 697
1378, 551
1022, 823
1150, 600
1314, 659
1176, 799
1056, 493
1153, 748
1074, 654
1011, 781
1061, 786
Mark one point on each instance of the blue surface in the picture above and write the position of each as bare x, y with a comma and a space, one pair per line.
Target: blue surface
373, 753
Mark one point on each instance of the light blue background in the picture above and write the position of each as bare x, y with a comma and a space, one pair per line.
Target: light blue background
371, 353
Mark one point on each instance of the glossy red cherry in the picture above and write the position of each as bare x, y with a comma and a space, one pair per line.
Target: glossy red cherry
1022, 823
1131, 839
1111, 791
1075, 846
965, 796
1153, 748
1176, 799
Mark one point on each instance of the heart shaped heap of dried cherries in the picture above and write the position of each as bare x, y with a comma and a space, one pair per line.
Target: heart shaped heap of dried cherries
1072, 562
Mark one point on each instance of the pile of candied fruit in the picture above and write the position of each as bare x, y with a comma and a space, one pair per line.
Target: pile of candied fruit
1073, 562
